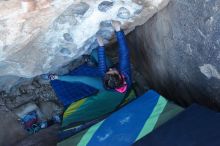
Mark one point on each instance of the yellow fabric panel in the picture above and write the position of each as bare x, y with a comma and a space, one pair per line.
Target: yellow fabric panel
73, 107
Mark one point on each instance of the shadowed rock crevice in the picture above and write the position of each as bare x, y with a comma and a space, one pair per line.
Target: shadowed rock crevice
177, 52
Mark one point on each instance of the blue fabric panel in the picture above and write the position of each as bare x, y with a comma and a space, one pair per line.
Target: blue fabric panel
71, 92
85, 70
196, 126
123, 126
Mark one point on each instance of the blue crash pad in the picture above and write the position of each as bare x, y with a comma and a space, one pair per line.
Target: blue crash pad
196, 126
119, 129
71, 92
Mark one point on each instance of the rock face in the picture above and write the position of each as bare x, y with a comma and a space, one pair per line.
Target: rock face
105, 6
58, 32
123, 13
178, 52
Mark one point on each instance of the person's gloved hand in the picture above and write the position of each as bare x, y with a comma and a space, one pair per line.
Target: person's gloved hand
116, 25
100, 41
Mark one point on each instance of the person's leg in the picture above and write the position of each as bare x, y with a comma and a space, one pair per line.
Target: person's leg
103, 62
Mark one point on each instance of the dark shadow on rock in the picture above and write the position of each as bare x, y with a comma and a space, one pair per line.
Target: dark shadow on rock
177, 52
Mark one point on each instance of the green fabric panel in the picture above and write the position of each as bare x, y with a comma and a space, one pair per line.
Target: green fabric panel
152, 120
86, 138
130, 97
82, 138
170, 111
94, 107
74, 140
73, 107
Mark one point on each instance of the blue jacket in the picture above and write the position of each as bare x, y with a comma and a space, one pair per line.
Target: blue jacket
103, 63
124, 58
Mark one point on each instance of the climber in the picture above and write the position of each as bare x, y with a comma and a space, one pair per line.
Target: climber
111, 79
114, 85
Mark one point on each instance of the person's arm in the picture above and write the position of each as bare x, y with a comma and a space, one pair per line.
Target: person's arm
101, 56
102, 60
91, 81
124, 56
94, 56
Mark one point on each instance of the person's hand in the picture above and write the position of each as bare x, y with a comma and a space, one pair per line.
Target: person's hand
116, 25
100, 41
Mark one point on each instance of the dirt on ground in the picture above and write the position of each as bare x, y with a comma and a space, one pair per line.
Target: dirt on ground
12, 132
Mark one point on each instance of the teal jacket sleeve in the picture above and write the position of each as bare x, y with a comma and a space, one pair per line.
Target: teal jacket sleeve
91, 81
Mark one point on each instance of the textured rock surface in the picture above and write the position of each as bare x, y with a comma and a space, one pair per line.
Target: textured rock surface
123, 13
178, 52
105, 6
46, 137
35, 91
39, 92
58, 32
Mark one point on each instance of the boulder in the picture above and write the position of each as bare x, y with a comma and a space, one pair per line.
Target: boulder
57, 32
